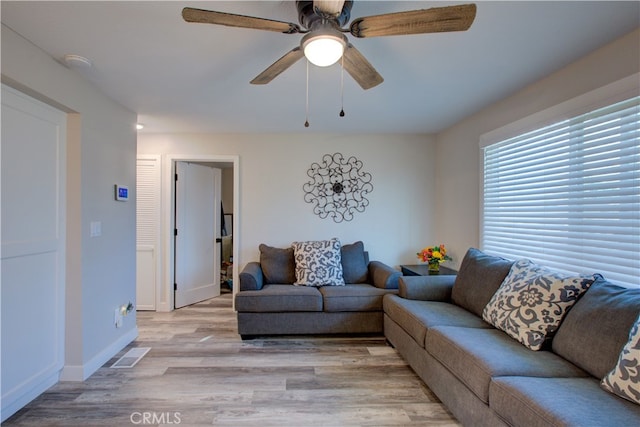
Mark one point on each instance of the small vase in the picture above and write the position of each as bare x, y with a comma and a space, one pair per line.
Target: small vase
434, 266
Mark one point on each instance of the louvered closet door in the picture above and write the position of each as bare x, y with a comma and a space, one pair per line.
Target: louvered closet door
148, 232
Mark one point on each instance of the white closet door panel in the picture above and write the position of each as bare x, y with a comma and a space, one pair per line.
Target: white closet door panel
33, 248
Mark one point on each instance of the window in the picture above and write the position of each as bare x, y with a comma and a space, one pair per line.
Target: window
567, 194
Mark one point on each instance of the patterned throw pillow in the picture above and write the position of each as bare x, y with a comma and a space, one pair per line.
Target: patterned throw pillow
531, 302
318, 263
624, 379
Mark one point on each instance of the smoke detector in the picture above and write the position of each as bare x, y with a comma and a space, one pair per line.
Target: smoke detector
77, 62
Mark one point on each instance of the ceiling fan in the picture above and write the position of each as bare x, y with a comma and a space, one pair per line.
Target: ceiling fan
323, 43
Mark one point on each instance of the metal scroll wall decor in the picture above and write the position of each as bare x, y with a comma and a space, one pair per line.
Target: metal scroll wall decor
338, 187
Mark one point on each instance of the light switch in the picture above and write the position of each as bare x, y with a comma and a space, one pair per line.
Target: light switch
96, 229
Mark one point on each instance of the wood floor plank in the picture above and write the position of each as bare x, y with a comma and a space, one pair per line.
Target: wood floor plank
199, 372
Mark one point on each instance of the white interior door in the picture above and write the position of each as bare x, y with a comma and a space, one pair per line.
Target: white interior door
197, 256
33, 248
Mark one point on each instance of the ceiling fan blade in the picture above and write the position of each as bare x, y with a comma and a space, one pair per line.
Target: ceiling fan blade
329, 7
434, 20
190, 14
360, 69
275, 69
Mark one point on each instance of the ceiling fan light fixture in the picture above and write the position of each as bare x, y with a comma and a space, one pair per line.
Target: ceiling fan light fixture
324, 49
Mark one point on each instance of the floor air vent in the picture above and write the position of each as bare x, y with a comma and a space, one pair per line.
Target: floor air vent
131, 357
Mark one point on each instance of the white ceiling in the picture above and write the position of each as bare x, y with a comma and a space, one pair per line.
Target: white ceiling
182, 77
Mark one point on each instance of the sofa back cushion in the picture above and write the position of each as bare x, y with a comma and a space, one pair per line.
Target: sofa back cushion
354, 263
623, 380
479, 277
278, 265
594, 331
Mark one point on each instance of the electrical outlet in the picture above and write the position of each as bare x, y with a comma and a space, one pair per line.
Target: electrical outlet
117, 318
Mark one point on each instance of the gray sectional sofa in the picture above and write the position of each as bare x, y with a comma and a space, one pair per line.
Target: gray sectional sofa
268, 302
487, 378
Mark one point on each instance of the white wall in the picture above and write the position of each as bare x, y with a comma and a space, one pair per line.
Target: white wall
458, 152
426, 188
273, 168
101, 152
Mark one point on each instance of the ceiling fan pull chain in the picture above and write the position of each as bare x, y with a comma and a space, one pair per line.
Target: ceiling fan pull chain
306, 122
342, 88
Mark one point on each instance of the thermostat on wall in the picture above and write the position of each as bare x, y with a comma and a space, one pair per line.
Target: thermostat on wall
122, 193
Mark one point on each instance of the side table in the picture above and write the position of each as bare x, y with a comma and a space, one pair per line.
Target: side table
423, 270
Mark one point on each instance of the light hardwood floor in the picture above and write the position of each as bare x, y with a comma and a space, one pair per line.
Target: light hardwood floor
199, 372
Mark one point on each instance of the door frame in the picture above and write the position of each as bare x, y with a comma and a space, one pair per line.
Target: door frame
165, 296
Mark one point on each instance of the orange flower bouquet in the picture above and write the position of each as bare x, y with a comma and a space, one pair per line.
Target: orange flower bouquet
434, 255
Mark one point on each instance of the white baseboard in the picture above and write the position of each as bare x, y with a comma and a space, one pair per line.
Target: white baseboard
82, 372
14, 402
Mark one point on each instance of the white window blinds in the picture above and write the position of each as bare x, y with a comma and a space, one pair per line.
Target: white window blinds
568, 195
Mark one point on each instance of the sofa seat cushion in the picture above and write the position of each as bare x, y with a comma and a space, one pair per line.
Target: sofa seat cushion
476, 355
532, 402
276, 298
415, 316
354, 297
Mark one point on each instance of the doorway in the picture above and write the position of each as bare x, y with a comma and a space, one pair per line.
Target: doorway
229, 165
